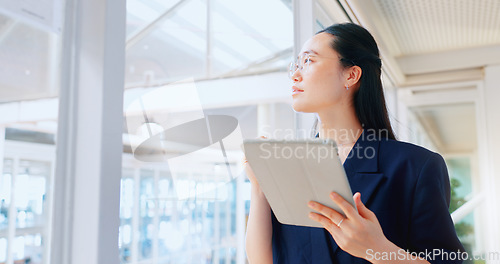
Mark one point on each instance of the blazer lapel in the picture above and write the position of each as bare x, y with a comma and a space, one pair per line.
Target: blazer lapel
366, 184
361, 167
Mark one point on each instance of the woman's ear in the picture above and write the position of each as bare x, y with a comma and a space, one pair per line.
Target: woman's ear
353, 75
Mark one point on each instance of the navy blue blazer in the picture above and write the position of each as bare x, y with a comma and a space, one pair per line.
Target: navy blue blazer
408, 189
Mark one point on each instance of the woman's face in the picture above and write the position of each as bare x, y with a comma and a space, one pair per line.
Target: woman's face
321, 83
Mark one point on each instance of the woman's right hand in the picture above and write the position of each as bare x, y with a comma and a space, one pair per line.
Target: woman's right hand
249, 172
259, 227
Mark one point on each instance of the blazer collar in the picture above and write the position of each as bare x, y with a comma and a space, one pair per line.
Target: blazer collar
362, 166
363, 156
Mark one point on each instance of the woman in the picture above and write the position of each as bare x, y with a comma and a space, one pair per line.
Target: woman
402, 191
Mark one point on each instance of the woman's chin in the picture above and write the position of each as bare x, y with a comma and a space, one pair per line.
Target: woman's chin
301, 107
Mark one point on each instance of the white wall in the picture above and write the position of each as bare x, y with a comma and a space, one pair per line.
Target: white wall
491, 156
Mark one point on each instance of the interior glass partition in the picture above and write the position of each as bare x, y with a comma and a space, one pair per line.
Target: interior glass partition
30, 58
26, 202
192, 212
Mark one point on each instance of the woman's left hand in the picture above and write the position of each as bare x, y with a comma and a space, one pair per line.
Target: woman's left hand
356, 233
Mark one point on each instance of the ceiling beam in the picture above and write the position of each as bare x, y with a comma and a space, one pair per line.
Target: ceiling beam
444, 77
236, 53
450, 60
6, 29
29, 111
244, 26
247, 68
439, 94
141, 33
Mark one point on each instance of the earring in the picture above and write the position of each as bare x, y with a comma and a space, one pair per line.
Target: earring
347, 87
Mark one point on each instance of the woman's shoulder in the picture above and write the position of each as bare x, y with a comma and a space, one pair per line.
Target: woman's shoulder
411, 162
406, 151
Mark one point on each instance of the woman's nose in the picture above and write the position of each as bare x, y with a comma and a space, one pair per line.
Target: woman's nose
296, 77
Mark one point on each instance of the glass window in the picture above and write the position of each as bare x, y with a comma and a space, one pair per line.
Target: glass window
141, 13
5, 194
3, 249
201, 227
126, 212
147, 205
31, 46
459, 169
28, 248
30, 192
189, 215
167, 211
174, 40
467, 234
26, 186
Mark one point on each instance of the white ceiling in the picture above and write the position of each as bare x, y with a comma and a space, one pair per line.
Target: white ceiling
429, 26
422, 38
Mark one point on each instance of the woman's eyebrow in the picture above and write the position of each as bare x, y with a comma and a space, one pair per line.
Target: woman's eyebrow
309, 52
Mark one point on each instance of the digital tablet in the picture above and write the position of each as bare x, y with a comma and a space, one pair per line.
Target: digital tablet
292, 173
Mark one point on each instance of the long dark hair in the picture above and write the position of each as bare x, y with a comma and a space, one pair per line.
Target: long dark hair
356, 47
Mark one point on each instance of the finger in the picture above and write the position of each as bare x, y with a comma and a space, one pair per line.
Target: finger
250, 174
346, 207
326, 223
328, 212
362, 209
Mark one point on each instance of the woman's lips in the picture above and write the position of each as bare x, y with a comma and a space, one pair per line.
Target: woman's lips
296, 90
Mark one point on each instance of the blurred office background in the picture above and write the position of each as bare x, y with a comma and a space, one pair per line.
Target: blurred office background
83, 83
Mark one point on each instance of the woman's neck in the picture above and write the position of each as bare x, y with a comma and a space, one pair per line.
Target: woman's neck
341, 126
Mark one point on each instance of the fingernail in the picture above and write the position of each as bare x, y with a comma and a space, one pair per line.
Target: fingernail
311, 215
311, 204
334, 195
